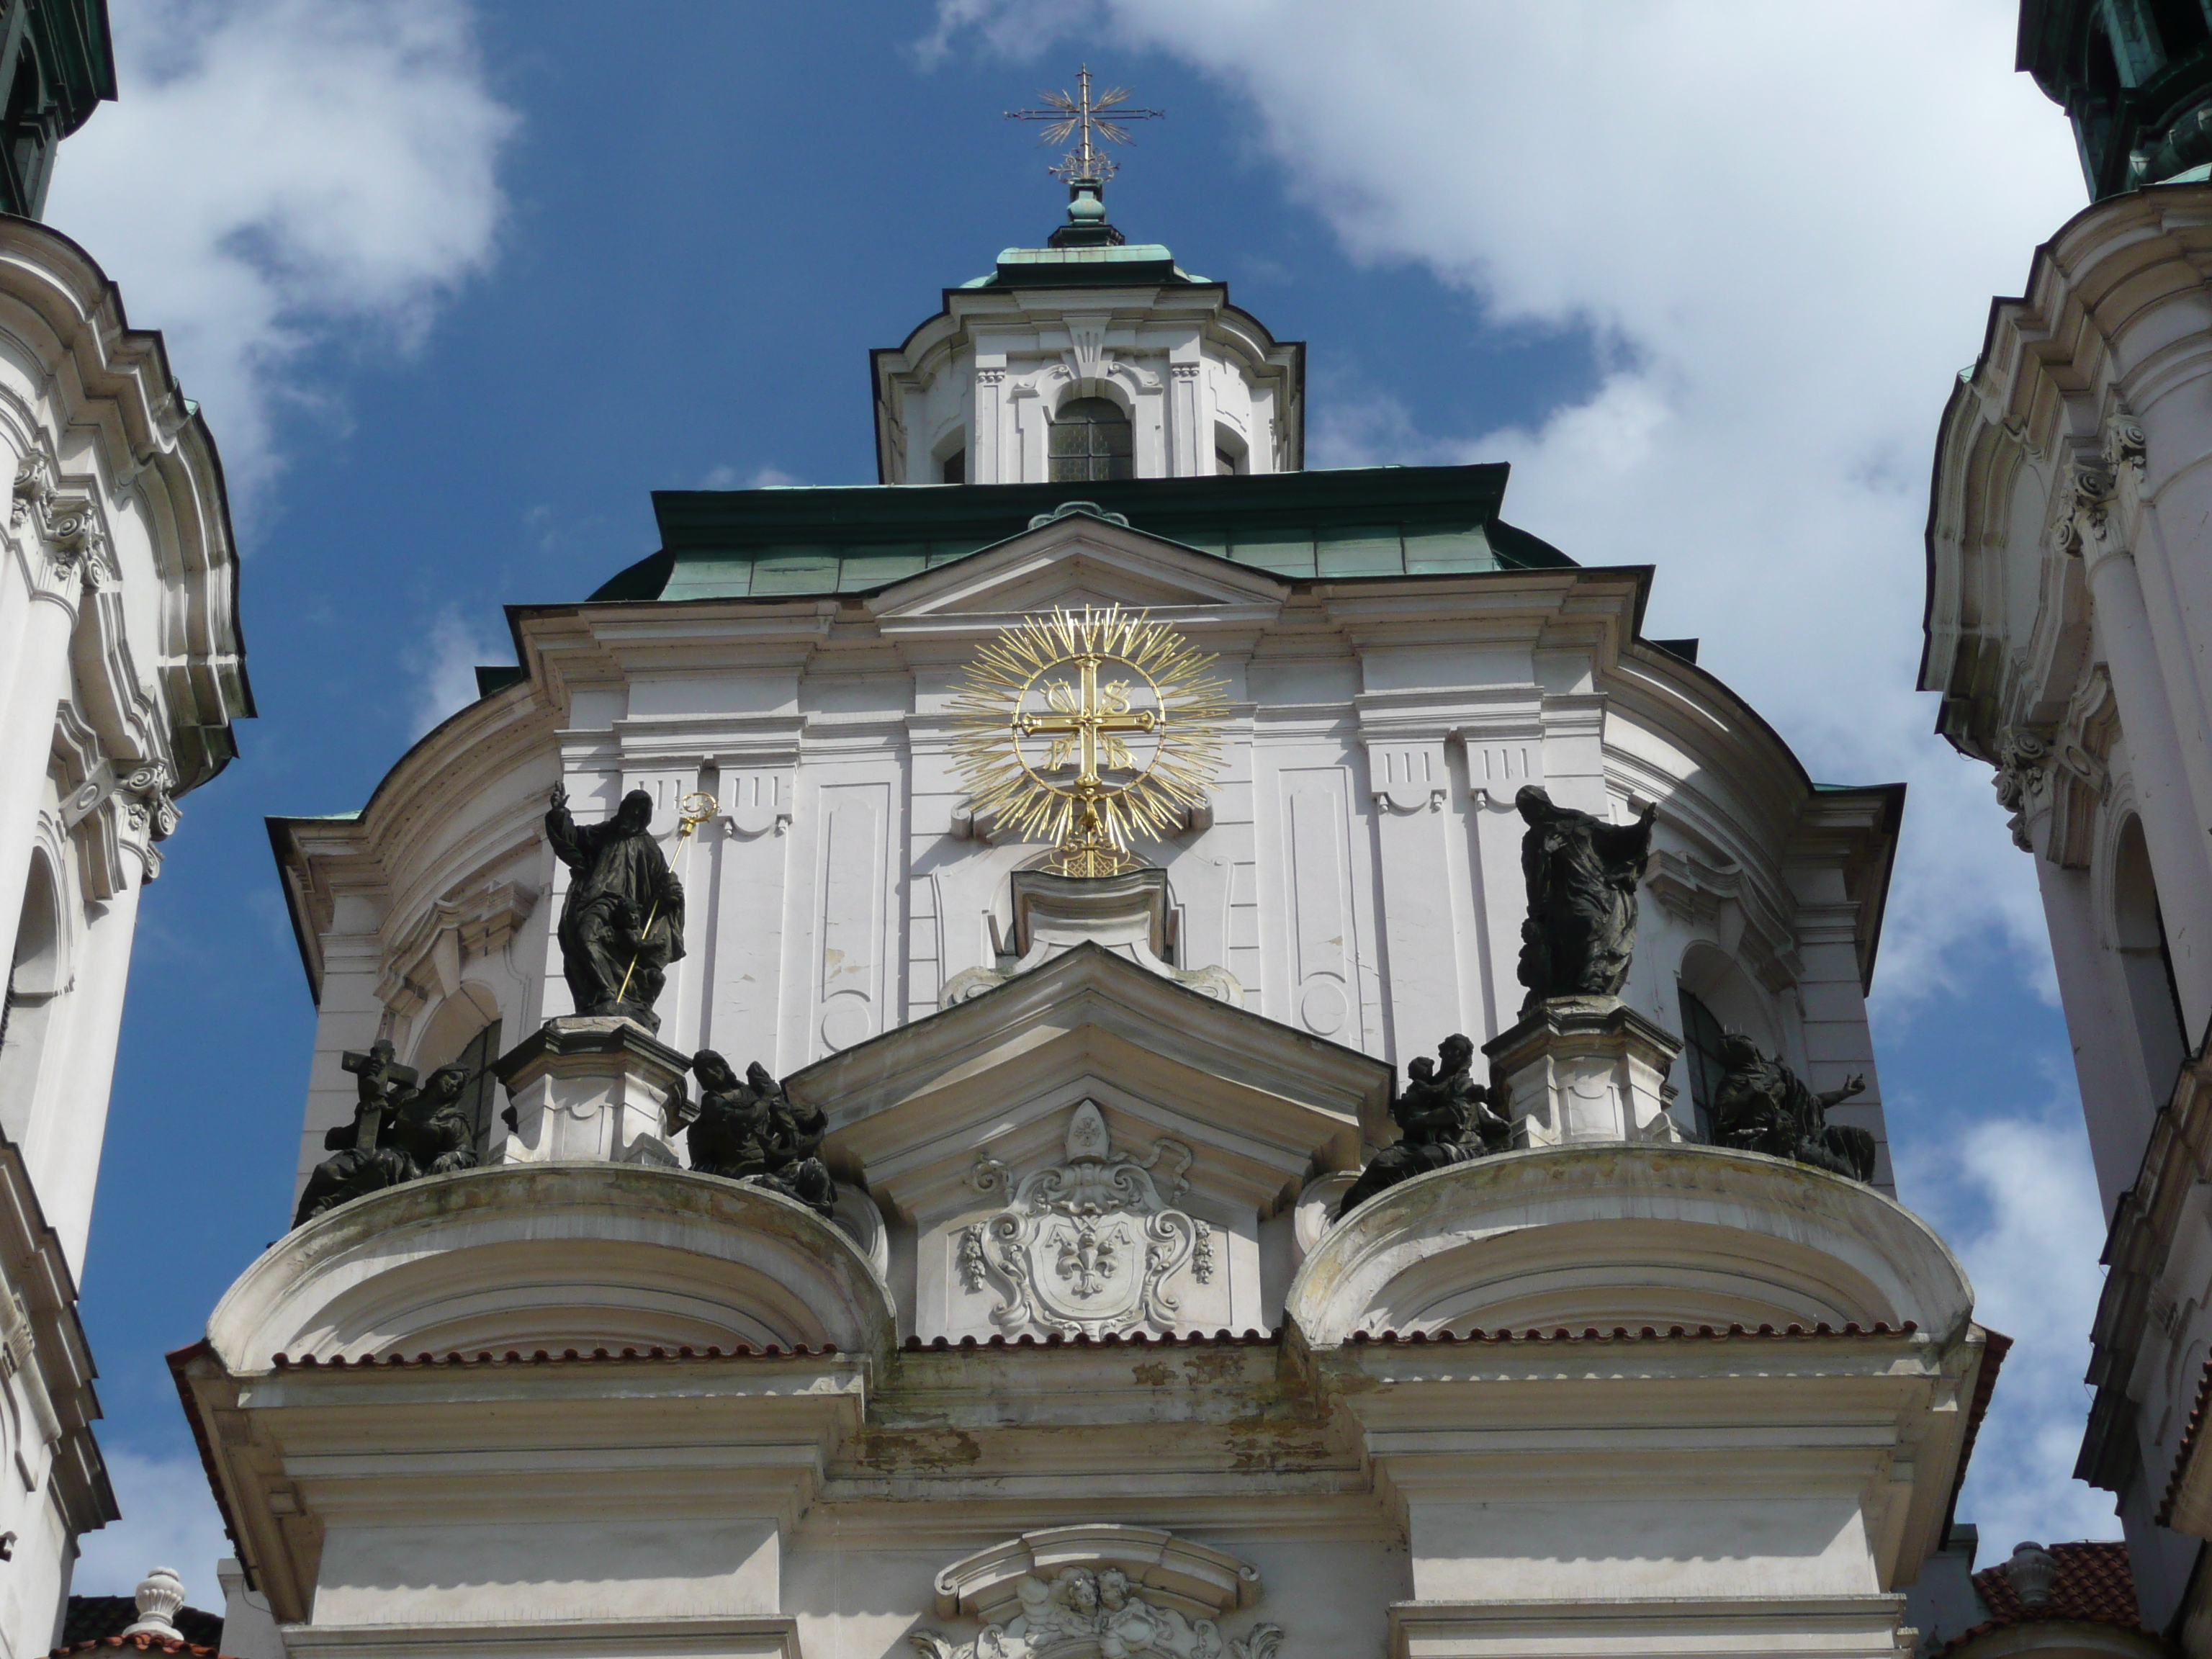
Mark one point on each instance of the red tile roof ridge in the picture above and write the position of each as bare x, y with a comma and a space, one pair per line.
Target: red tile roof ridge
1224, 1338
1641, 1334
142, 1643
545, 1357
2094, 1585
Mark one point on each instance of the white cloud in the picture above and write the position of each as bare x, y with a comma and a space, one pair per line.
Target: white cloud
1780, 226
279, 175
2016, 1199
443, 663
762, 477
168, 1521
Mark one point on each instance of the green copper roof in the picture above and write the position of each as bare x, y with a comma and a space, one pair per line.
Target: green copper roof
2135, 79
1083, 267
1364, 521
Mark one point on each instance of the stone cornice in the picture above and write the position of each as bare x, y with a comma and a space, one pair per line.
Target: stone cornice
112, 382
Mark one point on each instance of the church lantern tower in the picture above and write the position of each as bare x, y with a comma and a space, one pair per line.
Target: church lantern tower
1088, 359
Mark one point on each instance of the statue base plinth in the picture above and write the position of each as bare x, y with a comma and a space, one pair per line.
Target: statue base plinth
592, 1089
1126, 913
1583, 1069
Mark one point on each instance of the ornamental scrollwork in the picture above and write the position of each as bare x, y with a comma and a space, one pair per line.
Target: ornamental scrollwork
1099, 1611
1086, 1247
2022, 760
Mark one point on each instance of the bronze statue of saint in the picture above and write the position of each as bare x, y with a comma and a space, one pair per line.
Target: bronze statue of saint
1442, 1119
622, 924
1762, 1106
748, 1129
432, 1127
398, 1133
1582, 874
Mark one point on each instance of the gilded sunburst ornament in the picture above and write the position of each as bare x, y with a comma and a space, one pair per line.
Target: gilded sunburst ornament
1089, 730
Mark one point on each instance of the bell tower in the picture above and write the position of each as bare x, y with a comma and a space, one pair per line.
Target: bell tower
1090, 358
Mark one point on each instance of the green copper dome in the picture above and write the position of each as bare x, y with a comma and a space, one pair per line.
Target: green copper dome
2135, 79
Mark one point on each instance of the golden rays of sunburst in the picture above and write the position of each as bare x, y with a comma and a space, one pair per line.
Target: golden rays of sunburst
1089, 684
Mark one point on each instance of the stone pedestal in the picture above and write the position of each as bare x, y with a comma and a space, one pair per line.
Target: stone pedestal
1126, 913
1585, 1069
592, 1089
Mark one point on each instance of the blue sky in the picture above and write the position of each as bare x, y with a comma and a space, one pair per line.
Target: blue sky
458, 287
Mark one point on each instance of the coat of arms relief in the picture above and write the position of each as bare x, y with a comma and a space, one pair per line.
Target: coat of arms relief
1087, 1246
1114, 1590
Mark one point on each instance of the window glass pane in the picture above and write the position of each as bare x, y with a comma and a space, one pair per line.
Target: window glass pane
1702, 1038
955, 470
476, 1097
1091, 439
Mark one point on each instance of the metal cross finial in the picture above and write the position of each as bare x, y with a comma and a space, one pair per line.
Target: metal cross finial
1082, 117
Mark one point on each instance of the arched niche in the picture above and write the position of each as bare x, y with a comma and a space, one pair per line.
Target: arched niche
453, 1026
2138, 935
556, 1256
36, 977
1719, 981
464, 1029
1629, 1236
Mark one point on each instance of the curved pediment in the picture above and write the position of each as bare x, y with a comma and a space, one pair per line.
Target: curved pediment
1627, 1235
556, 1256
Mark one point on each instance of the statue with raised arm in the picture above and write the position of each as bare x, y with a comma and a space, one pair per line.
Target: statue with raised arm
622, 924
1762, 1106
1442, 1119
1581, 873
748, 1129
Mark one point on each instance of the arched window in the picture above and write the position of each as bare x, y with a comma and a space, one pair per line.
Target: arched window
1092, 439
2139, 932
1228, 453
953, 469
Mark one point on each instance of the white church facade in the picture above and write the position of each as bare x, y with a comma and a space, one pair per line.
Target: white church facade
2068, 587
1069, 1333
121, 672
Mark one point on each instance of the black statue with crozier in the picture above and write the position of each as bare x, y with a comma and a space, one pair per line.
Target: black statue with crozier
748, 1129
1582, 874
1762, 1106
1444, 1118
398, 1133
622, 924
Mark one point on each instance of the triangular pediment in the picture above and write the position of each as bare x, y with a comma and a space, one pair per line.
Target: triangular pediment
1262, 1105
1072, 562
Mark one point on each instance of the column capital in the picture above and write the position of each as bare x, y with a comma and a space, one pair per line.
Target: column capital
63, 525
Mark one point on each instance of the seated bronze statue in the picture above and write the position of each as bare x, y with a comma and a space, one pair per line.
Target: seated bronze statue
748, 1129
1442, 1119
1762, 1106
398, 1133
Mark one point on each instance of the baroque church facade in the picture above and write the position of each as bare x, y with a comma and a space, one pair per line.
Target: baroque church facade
2070, 578
806, 1156
121, 672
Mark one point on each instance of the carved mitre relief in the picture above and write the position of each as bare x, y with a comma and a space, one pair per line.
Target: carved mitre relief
1090, 1245
1120, 1592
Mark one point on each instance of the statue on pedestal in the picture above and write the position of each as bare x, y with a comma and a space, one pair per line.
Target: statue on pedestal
748, 1129
622, 924
1442, 1119
398, 1134
1762, 1106
1582, 874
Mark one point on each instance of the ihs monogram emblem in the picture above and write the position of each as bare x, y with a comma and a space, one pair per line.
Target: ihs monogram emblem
1089, 730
